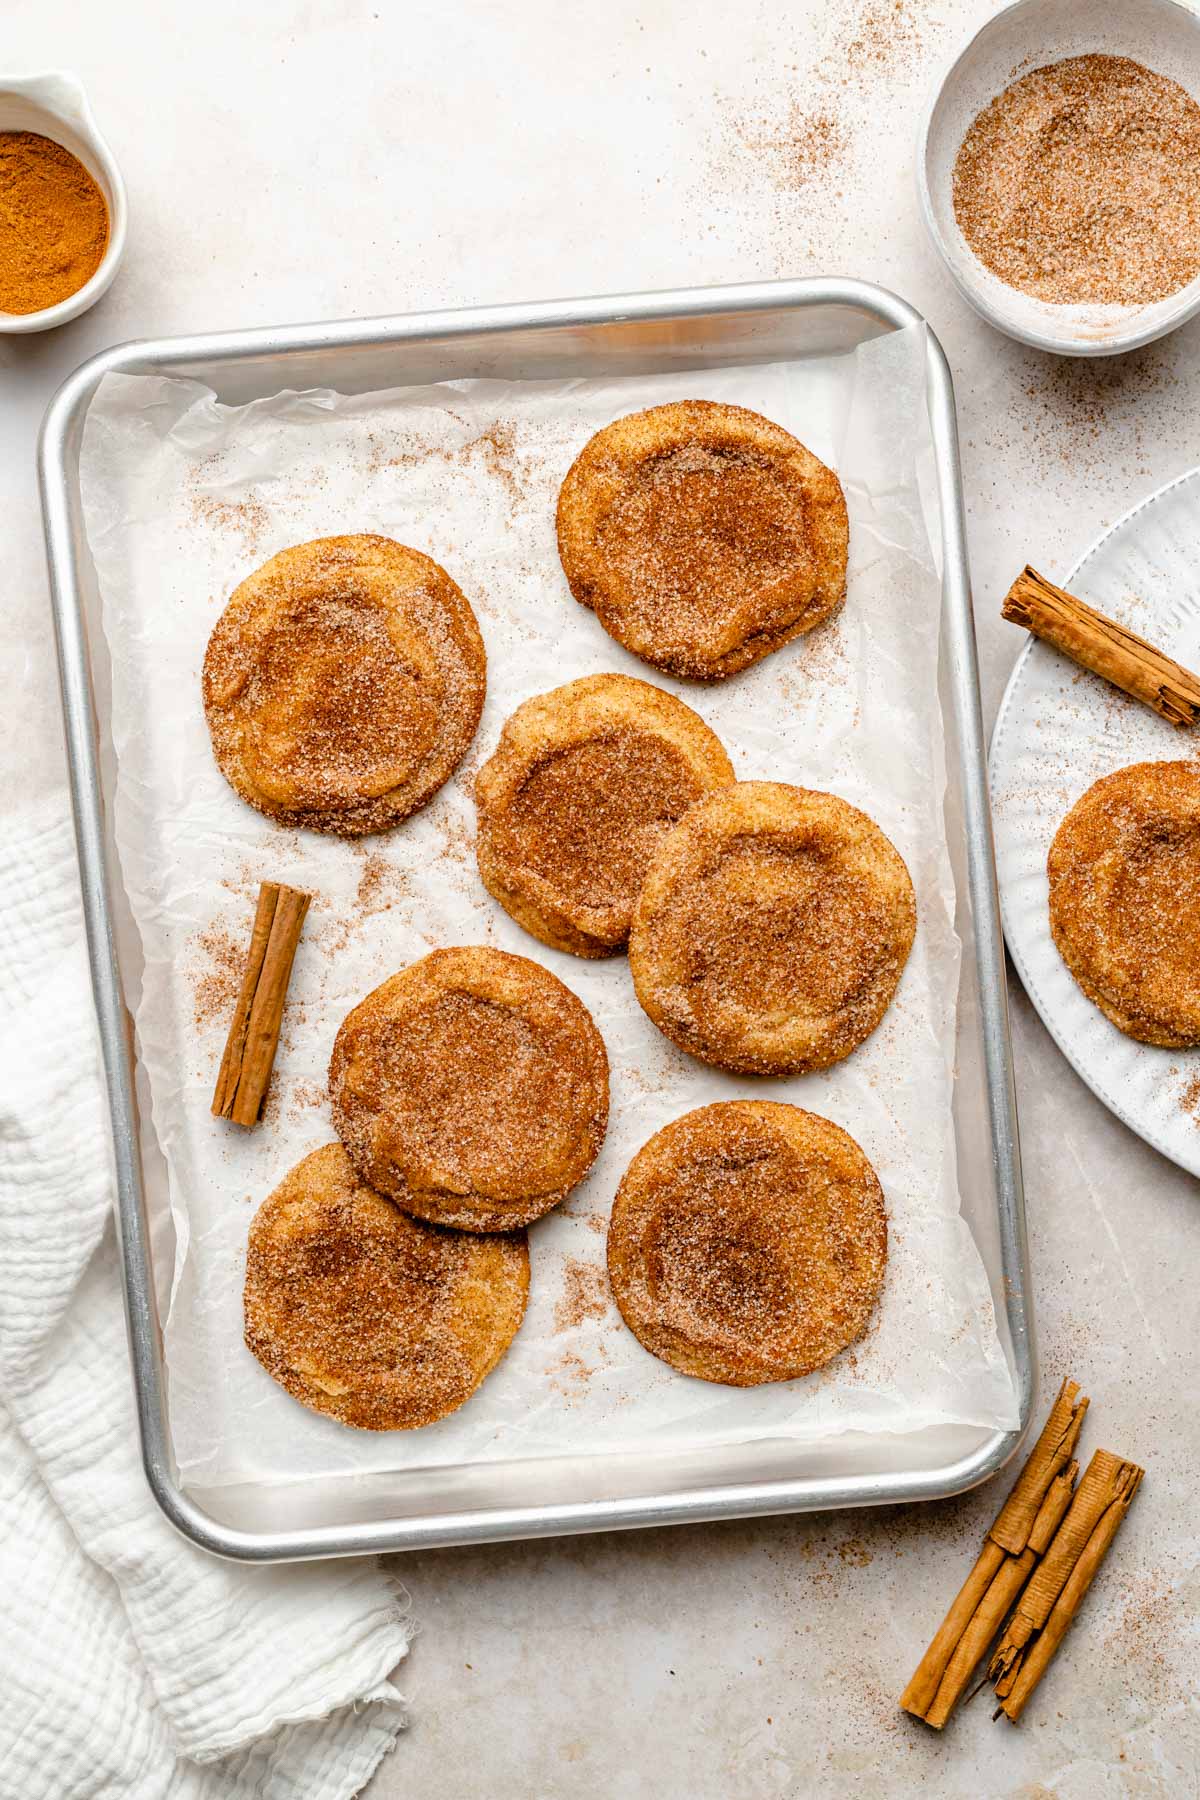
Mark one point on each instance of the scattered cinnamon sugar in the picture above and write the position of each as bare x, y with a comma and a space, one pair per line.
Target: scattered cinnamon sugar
458, 841
496, 449
584, 1295
215, 986
825, 664
1076, 186
854, 1553
1075, 408
878, 36
801, 150
806, 140
304, 1097
1150, 1636
1189, 1098
381, 884
248, 518
570, 1373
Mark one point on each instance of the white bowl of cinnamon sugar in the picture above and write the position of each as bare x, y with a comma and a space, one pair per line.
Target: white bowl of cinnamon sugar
1059, 172
62, 203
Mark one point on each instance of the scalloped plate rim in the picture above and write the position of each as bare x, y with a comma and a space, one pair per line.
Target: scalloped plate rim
1147, 1131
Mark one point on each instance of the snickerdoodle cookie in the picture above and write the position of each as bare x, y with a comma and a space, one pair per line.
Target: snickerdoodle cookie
360, 1312
585, 782
1124, 873
771, 930
343, 683
703, 536
472, 1088
748, 1242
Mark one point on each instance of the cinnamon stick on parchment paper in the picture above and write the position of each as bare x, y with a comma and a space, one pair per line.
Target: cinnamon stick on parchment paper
1026, 1522
254, 1033
1101, 645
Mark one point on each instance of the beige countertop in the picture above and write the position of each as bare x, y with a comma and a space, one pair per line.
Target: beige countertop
317, 158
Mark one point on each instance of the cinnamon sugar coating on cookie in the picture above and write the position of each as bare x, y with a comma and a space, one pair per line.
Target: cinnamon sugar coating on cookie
1124, 873
703, 536
772, 929
748, 1243
343, 684
584, 784
376, 1319
472, 1088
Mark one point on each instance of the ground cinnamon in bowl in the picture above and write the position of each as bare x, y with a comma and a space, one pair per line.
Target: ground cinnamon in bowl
1077, 185
53, 223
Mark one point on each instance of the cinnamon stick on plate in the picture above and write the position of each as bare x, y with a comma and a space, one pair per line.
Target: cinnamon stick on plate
1026, 1522
254, 1033
1101, 645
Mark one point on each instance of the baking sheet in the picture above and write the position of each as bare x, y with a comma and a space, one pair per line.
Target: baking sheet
183, 497
1059, 730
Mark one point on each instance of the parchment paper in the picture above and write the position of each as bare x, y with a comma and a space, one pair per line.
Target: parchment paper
183, 497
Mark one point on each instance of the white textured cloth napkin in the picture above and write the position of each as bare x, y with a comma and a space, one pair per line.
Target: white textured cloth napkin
131, 1664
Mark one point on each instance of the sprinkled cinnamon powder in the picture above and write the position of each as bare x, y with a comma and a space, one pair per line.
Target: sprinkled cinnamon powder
884, 33
248, 518
304, 1097
495, 450
584, 1295
569, 1374
1077, 184
811, 142
1189, 1098
216, 984
806, 140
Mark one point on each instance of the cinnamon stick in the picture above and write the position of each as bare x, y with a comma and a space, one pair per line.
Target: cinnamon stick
1009, 1536
254, 1031
1009, 1579
922, 1690
1054, 1449
1041, 1651
1098, 643
1104, 1479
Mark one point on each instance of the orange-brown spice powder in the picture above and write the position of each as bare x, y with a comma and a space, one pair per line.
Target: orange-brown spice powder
53, 223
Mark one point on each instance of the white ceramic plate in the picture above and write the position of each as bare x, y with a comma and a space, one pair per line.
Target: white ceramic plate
1059, 729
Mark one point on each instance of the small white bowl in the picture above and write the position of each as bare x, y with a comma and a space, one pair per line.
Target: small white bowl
55, 105
1163, 35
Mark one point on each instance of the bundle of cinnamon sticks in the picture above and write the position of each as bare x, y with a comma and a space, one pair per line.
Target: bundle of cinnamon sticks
1038, 1561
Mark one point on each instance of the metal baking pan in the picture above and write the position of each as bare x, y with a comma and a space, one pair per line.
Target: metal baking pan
405, 1510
